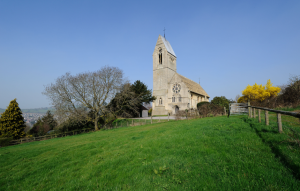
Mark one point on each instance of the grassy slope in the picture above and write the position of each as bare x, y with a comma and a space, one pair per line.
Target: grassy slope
208, 154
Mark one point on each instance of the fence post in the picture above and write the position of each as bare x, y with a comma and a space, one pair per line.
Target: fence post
186, 114
267, 117
254, 113
249, 109
21, 141
279, 122
259, 119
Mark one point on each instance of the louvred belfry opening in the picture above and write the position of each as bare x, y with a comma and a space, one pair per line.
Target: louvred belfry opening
160, 56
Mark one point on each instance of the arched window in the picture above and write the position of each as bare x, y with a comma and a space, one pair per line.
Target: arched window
173, 99
160, 101
160, 56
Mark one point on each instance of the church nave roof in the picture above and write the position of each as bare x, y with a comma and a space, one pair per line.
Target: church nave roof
193, 86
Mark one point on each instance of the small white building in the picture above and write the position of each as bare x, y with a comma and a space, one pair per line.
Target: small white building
173, 91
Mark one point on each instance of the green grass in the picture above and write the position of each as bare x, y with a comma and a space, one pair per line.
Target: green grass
136, 122
217, 153
288, 108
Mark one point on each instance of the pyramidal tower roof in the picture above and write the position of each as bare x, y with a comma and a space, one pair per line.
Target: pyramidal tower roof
168, 46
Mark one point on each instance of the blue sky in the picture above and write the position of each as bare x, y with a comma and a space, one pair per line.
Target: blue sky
228, 44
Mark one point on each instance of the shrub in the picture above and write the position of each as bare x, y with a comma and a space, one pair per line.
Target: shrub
221, 101
72, 125
259, 92
202, 103
209, 110
191, 113
4, 141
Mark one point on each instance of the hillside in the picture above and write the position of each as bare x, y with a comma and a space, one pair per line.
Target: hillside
205, 154
36, 110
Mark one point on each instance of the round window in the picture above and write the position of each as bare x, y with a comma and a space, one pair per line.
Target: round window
176, 88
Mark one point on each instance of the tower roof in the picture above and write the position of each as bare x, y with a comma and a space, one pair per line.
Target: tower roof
168, 46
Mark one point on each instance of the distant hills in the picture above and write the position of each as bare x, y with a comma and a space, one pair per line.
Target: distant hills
37, 110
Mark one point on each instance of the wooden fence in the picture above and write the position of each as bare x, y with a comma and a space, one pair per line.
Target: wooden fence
252, 114
51, 136
75, 132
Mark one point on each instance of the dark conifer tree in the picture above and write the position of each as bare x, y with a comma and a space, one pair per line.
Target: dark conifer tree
141, 90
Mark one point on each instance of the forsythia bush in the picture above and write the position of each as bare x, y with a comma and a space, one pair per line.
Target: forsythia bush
259, 92
12, 123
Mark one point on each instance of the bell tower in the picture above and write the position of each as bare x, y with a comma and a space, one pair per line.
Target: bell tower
164, 67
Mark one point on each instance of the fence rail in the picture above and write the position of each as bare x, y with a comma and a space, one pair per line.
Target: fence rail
117, 124
252, 114
46, 137
278, 111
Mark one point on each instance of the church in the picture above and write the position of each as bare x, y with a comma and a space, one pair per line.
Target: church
173, 91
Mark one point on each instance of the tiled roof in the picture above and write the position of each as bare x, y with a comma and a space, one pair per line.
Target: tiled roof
193, 86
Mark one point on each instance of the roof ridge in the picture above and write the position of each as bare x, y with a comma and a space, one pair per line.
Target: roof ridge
189, 79
192, 85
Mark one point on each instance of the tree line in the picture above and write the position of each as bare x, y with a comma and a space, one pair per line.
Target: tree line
89, 99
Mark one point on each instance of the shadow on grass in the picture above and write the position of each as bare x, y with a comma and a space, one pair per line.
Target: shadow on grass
271, 138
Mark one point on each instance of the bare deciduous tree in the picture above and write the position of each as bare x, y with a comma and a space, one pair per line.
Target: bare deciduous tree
237, 98
85, 95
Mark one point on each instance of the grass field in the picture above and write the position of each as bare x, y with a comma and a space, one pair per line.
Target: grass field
217, 153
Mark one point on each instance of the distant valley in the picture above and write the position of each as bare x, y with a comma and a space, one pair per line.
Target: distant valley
42, 110
32, 115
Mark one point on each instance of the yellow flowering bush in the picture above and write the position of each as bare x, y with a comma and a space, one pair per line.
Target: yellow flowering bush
259, 92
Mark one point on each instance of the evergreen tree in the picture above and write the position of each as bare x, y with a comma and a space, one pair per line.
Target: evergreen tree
43, 125
49, 119
12, 123
141, 90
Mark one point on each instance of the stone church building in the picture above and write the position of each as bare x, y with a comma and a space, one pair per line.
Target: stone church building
173, 91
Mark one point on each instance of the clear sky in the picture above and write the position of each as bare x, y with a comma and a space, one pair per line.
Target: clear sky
228, 44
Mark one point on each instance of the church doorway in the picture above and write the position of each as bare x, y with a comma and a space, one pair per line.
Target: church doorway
176, 109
